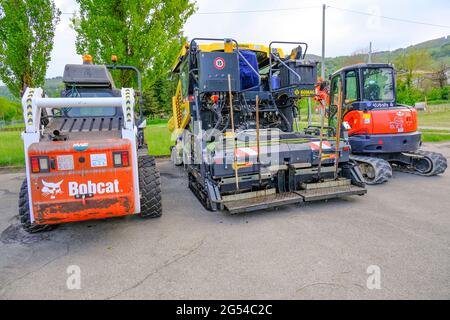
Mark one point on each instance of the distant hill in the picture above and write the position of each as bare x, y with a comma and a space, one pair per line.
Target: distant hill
439, 50
52, 88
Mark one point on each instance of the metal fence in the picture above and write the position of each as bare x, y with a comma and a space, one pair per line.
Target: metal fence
12, 125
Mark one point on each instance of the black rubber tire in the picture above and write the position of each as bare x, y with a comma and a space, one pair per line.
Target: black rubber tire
437, 159
382, 169
150, 188
146, 161
24, 213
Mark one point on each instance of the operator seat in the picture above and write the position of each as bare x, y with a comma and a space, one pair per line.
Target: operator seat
372, 91
249, 79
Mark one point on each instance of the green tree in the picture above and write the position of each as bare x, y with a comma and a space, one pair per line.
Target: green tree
27, 29
440, 73
9, 109
411, 61
145, 34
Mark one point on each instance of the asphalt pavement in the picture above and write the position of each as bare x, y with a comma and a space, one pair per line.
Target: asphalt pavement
396, 239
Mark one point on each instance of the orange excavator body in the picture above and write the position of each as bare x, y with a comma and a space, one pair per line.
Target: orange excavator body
389, 121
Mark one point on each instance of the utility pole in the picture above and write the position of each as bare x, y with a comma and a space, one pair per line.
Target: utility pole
370, 52
323, 42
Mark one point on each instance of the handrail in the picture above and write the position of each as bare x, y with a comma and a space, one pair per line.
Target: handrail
282, 62
60, 103
138, 73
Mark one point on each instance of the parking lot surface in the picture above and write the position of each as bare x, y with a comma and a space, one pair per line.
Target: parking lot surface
311, 251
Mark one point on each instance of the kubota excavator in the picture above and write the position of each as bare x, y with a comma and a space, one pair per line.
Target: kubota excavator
383, 134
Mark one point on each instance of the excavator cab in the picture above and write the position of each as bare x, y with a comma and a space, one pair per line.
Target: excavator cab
382, 133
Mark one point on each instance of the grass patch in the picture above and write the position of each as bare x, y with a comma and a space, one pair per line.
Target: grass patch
431, 130
158, 139
157, 121
11, 145
11, 149
435, 137
435, 116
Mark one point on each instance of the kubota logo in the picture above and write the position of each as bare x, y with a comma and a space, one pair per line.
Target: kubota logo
90, 187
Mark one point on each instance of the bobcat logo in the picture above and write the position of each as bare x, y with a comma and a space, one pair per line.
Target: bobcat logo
51, 189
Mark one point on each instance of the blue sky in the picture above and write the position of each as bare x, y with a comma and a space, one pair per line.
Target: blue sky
345, 32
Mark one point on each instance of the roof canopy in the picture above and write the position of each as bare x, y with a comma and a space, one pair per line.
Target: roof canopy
87, 74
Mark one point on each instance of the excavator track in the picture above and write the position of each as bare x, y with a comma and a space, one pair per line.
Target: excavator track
374, 170
424, 163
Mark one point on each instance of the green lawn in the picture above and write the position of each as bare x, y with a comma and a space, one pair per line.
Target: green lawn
435, 116
11, 149
158, 139
430, 137
435, 135
11, 145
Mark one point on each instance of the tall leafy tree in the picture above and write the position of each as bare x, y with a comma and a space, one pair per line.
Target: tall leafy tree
411, 61
27, 29
143, 33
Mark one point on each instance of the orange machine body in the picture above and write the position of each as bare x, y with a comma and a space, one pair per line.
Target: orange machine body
84, 180
385, 121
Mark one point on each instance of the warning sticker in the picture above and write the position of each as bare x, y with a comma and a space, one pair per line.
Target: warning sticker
98, 160
219, 63
65, 162
315, 145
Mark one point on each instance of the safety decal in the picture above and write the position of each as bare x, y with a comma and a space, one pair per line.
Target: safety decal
246, 152
219, 63
315, 145
128, 104
240, 165
30, 107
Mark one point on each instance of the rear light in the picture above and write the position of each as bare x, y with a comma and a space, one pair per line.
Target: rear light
39, 164
121, 159
34, 164
125, 159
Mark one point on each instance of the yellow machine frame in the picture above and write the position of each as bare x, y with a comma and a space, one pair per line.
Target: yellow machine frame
180, 105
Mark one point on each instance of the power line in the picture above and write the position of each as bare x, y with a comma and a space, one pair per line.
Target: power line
241, 11
256, 11
391, 18
310, 7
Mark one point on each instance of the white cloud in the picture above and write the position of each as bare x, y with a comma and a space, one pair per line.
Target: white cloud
345, 31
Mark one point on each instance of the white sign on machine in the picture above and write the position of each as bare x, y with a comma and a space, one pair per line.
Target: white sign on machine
98, 160
65, 162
